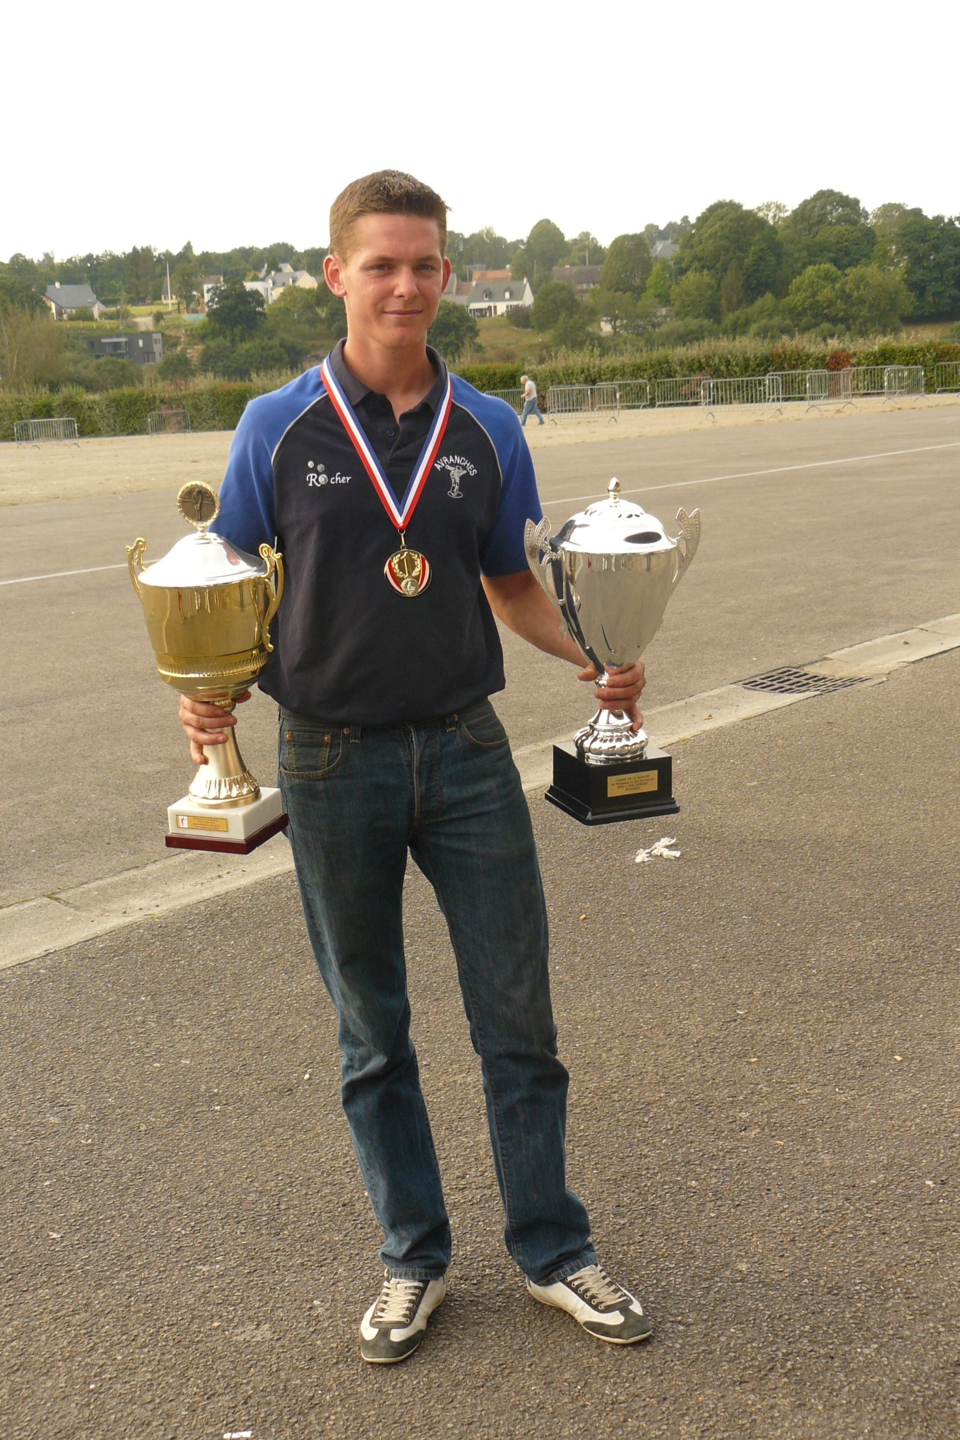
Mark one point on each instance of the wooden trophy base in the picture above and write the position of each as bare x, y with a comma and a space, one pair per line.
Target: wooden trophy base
602, 794
232, 831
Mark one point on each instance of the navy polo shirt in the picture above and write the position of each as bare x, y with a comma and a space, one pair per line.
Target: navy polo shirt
347, 647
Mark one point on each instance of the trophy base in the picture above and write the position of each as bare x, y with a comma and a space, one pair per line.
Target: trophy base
602, 794
234, 832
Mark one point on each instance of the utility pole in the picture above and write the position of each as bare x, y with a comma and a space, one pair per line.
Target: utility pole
169, 296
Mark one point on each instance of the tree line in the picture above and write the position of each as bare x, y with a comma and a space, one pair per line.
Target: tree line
825, 268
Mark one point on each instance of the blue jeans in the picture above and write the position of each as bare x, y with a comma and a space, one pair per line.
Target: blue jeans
530, 407
448, 791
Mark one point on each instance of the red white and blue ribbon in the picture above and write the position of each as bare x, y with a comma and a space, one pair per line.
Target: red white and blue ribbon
399, 514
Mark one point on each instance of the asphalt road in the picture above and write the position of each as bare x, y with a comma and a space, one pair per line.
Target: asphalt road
762, 1035
794, 563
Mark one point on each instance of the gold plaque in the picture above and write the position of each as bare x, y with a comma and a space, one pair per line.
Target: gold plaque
203, 822
638, 784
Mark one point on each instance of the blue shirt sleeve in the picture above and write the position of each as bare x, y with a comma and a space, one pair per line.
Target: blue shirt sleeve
501, 552
247, 515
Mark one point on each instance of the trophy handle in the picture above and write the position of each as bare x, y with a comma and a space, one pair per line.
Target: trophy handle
135, 561
274, 563
690, 535
536, 547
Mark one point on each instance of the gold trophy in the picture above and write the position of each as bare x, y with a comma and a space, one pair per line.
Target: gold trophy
208, 608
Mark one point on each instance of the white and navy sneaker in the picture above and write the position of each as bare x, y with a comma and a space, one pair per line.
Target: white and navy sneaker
397, 1320
600, 1305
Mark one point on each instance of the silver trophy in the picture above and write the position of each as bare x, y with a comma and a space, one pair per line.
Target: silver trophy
609, 573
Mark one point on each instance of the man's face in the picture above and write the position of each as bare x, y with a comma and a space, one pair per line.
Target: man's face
392, 280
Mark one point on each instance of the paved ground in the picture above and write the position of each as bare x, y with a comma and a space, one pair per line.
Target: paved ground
762, 1034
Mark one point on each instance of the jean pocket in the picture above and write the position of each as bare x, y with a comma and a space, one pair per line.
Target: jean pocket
311, 752
482, 726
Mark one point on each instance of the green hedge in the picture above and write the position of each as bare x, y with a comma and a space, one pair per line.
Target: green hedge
218, 405
717, 358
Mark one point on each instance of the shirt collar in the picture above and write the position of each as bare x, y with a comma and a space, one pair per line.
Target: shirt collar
356, 392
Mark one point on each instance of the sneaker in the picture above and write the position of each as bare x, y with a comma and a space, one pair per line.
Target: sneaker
396, 1322
600, 1305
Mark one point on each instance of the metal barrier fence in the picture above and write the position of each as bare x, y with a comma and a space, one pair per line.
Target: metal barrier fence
824, 387
946, 376
737, 390
621, 395
168, 422
569, 399
514, 398
62, 431
816, 387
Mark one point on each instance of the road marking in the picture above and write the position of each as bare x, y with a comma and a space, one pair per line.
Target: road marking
58, 574
753, 474
67, 917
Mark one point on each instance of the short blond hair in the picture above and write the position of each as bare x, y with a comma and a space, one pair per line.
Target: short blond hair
385, 192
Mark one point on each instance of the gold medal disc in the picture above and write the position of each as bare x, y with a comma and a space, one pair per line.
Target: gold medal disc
408, 572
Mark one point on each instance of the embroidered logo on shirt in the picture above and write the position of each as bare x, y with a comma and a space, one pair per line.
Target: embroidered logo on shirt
317, 475
456, 467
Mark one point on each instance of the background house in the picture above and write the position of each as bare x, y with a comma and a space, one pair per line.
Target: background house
210, 283
496, 297
272, 285
65, 299
580, 278
664, 250
139, 349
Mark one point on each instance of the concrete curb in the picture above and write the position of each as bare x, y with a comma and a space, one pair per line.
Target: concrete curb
51, 922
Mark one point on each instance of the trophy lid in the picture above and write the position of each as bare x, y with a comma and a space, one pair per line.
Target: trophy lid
203, 559
614, 527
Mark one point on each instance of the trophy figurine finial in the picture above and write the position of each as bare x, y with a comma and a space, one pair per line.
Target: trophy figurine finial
198, 504
613, 489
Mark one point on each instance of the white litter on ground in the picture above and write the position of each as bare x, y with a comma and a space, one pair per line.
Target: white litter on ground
661, 849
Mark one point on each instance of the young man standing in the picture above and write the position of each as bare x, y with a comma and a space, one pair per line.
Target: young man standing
398, 495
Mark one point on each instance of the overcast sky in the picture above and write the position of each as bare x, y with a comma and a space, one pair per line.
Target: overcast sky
126, 125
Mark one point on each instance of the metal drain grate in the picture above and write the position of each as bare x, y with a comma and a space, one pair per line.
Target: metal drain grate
790, 680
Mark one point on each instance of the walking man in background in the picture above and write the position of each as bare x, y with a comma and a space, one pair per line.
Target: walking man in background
530, 406
385, 653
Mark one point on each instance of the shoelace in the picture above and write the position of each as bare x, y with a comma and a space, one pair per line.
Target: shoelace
597, 1288
397, 1303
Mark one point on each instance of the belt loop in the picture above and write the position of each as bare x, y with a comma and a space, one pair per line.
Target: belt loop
355, 733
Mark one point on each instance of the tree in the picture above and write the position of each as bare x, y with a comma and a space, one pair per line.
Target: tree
14, 291
138, 273
926, 253
695, 296
659, 284
772, 211
332, 312
544, 246
186, 283
234, 310
828, 228
816, 299
570, 331
553, 300
584, 249
31, 348
628, 265
453, 330
876, 300
725, 235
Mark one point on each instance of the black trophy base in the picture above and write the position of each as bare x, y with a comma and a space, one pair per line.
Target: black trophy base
602, 794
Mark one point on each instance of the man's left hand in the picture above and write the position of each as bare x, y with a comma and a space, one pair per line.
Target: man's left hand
620, 689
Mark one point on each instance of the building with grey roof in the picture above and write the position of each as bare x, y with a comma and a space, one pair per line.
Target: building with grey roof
64, 300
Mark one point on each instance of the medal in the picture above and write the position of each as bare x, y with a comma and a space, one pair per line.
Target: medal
407, 571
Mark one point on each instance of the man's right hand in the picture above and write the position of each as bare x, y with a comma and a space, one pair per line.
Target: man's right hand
205, 724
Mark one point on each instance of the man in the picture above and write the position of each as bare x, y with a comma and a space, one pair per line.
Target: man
398, 496
530, 406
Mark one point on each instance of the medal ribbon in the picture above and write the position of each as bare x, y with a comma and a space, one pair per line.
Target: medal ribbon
400, 515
